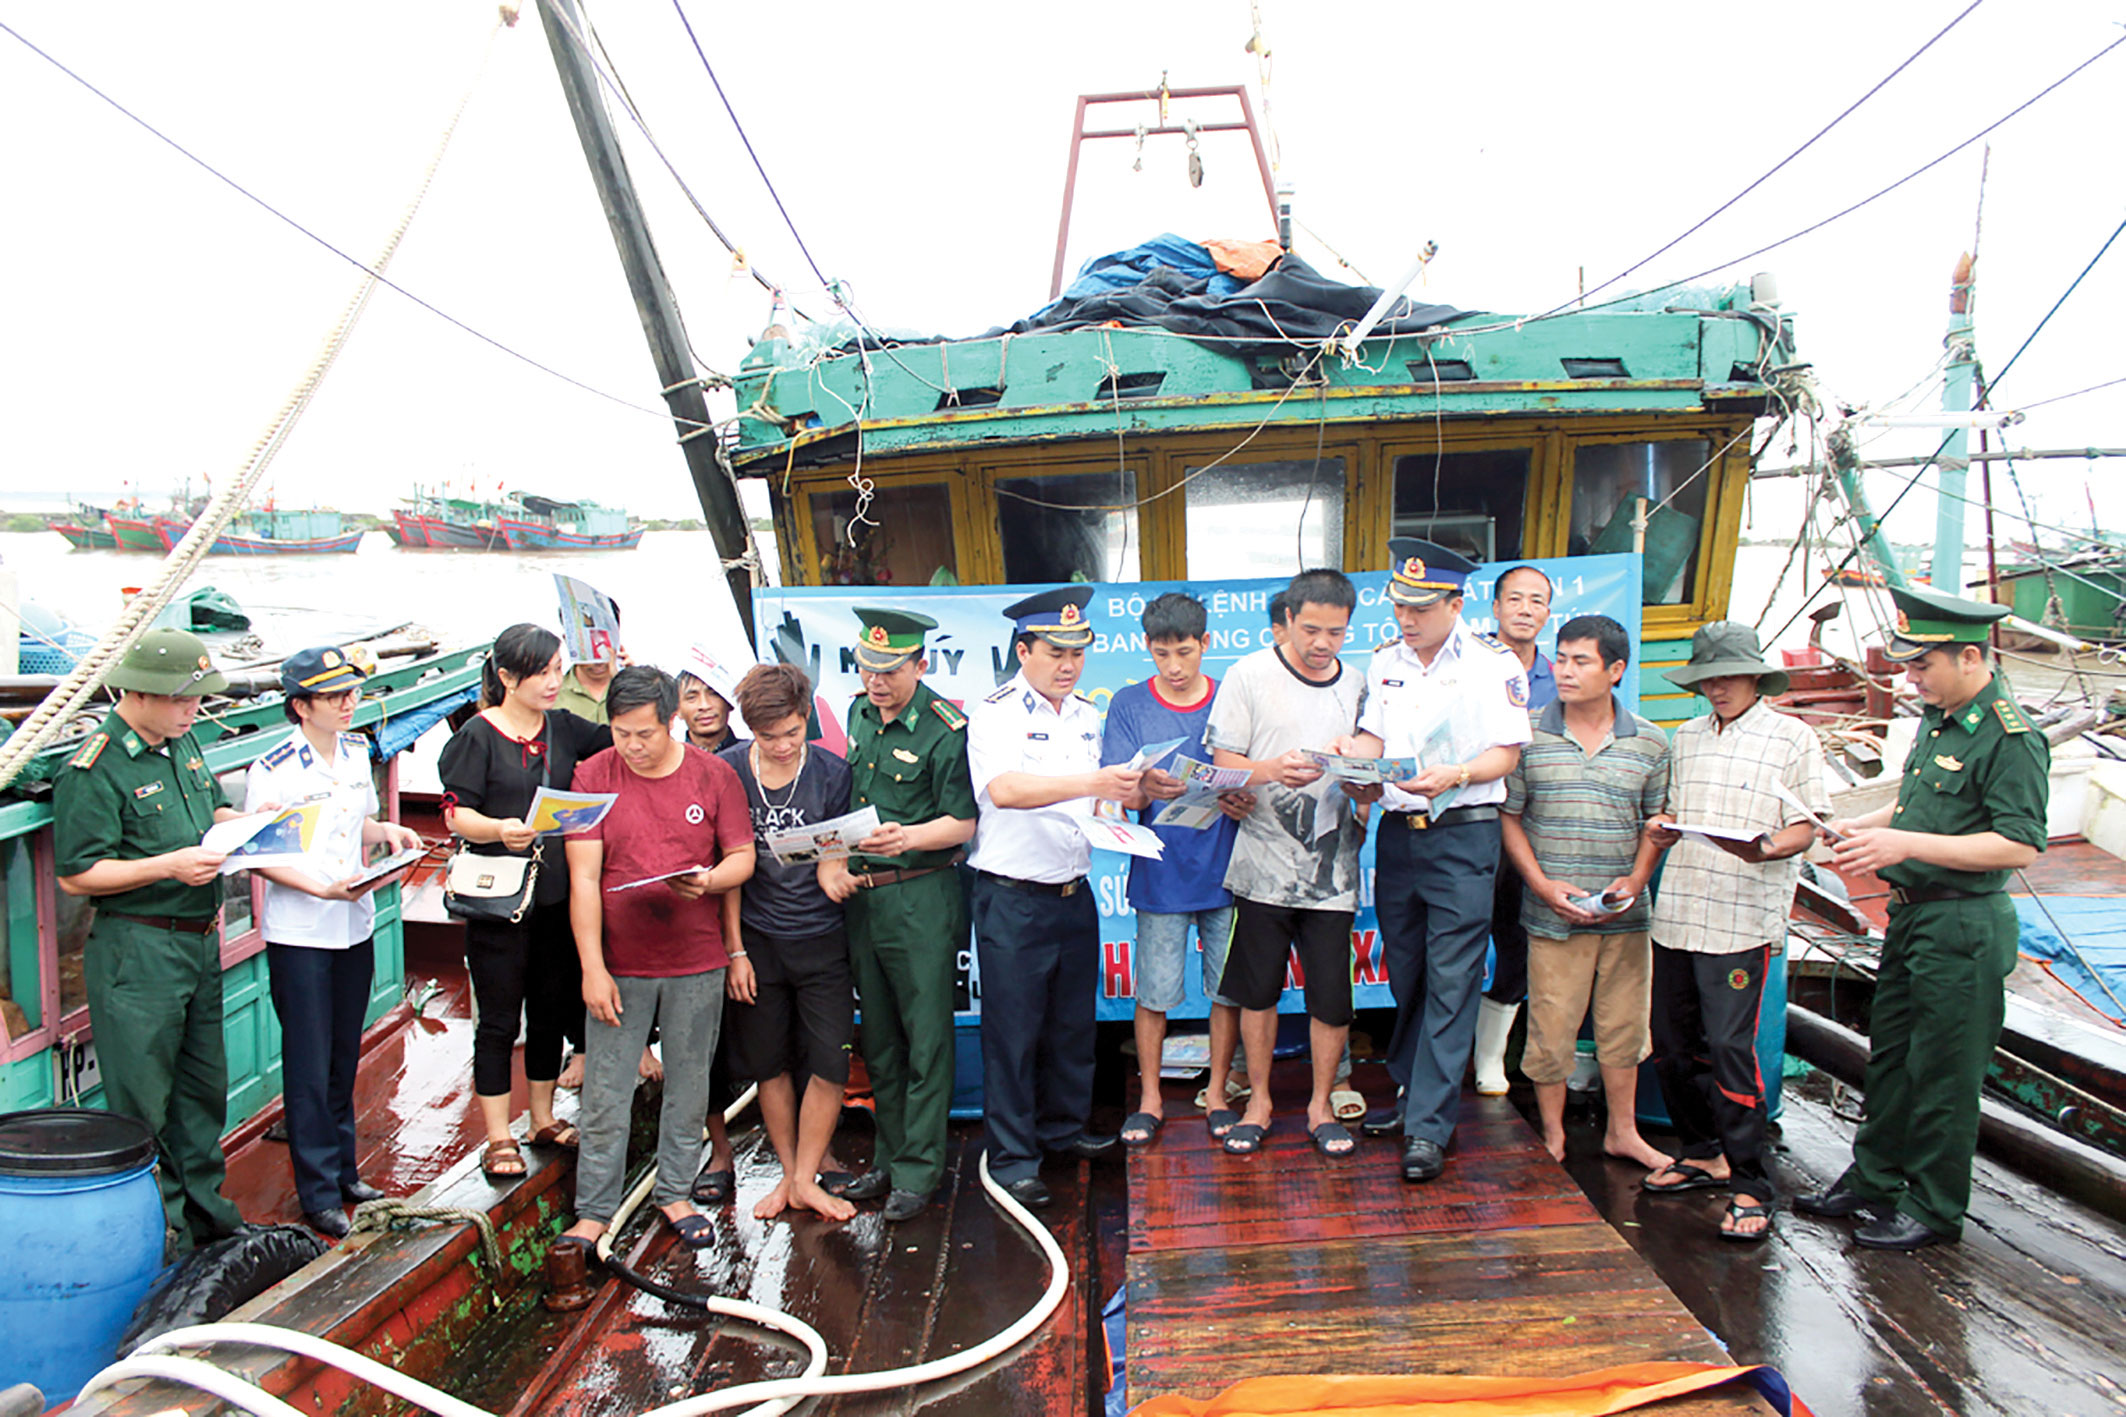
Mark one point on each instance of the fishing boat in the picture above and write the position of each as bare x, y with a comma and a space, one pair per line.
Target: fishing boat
529, 522
133, 532
439, 522
84, 528
271, 532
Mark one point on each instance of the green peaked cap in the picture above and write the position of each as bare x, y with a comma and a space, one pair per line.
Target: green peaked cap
889, 637
1927, 619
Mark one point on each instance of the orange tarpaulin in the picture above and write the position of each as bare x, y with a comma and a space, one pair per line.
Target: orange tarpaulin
1402, 1395
1245, 260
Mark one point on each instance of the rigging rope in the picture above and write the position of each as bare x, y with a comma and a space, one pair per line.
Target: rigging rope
134, 621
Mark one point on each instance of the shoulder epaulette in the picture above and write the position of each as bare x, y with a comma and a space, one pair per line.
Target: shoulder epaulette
1003, 692
2011, 716
948, 713
86, 757
281, 754
1389, 643
1494, 645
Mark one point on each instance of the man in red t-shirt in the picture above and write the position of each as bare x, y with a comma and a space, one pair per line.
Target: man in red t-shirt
645, 888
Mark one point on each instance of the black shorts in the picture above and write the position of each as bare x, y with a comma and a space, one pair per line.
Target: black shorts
1263, 937
804, 1010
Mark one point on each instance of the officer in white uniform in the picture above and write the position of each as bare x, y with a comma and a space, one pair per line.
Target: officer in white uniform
1033, 751
1437, 855
317, 925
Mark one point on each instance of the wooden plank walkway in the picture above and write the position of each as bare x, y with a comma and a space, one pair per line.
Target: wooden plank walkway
1287, 1263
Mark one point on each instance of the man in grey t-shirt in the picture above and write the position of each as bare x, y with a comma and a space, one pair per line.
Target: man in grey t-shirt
1294, 870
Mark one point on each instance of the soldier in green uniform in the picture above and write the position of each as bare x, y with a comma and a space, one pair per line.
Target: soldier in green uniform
131, 807
907, 910
1970, 809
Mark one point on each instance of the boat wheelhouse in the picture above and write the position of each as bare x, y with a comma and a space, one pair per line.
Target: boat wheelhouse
1122, 454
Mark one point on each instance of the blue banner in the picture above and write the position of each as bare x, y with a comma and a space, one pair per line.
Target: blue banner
814, 627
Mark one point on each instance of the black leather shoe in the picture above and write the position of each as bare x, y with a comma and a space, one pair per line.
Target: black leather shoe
1840, 1203
1031, 1193
868, 1187
1384, 1121
904, 1205
358, 1190
331, 1223
1422, 1160
1897, 1231
1084, 1147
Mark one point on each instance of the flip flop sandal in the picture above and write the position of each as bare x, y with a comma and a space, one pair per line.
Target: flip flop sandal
1347, 1105
1245, 1139
1738, 1212
559, 1134
694, 1231
1221, 1121
1236, 1090
498, 1152
1695, 1178
714, 1187
1142, 1122
834, 1183
1327, 1134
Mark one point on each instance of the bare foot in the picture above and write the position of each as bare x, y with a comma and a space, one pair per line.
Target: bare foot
1668, 1174
1633, 1147
649, 1069
571, 1072
774, 1202
1731, 1224
807, 1195
1554, 1143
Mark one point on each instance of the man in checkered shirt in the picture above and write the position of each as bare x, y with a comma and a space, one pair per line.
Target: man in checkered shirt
1720, 915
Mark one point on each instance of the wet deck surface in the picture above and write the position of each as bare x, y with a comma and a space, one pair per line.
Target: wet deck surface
2026, 1315
1287, 1263
882, 1296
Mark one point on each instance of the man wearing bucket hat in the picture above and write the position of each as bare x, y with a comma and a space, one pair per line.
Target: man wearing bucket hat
317, 922
1438, 847
1970, 808
1721, 914
906, 908
130, 809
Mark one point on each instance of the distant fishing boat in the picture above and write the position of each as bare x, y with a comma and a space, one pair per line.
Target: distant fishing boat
133, 532
84, 529
270, 532
533, 523
435, 522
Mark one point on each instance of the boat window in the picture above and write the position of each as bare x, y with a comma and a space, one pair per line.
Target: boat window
1076, 526
21, 1001
1473, 502
76, 913
904, 536
1265, 518
236, 899
1612, 481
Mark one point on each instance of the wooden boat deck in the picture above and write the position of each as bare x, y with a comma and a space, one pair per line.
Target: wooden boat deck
1287, 1263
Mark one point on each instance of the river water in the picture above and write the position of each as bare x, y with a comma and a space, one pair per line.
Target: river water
670, 589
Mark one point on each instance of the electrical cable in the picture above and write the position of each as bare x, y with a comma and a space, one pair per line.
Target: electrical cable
1709, 217
717, 84
260, 202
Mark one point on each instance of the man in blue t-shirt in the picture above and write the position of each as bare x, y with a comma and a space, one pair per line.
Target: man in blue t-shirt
1186, 885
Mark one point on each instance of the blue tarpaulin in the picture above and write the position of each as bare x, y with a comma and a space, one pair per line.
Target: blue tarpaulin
2094, 947
394, 735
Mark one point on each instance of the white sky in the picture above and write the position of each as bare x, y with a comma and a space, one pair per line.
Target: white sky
153, 320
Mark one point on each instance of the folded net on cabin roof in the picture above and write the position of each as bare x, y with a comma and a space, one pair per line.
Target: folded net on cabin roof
1174, 284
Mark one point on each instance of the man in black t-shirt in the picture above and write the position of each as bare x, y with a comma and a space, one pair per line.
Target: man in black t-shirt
802, 1018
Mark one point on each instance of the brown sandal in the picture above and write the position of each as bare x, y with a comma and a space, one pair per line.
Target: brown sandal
496, 1161
559, 1134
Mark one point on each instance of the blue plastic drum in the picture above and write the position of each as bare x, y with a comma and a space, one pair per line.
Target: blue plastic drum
81, 1238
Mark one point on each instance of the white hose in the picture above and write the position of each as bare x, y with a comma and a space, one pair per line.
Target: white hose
773, 1396
192, 1372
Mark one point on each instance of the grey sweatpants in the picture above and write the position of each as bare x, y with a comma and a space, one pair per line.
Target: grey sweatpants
687, 1009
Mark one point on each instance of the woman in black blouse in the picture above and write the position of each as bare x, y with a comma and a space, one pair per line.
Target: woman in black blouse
491, 769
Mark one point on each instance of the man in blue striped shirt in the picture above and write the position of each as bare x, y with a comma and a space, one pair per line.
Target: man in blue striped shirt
1571, 827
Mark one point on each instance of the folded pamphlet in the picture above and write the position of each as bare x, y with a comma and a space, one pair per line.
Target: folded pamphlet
832, 840
567, 812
